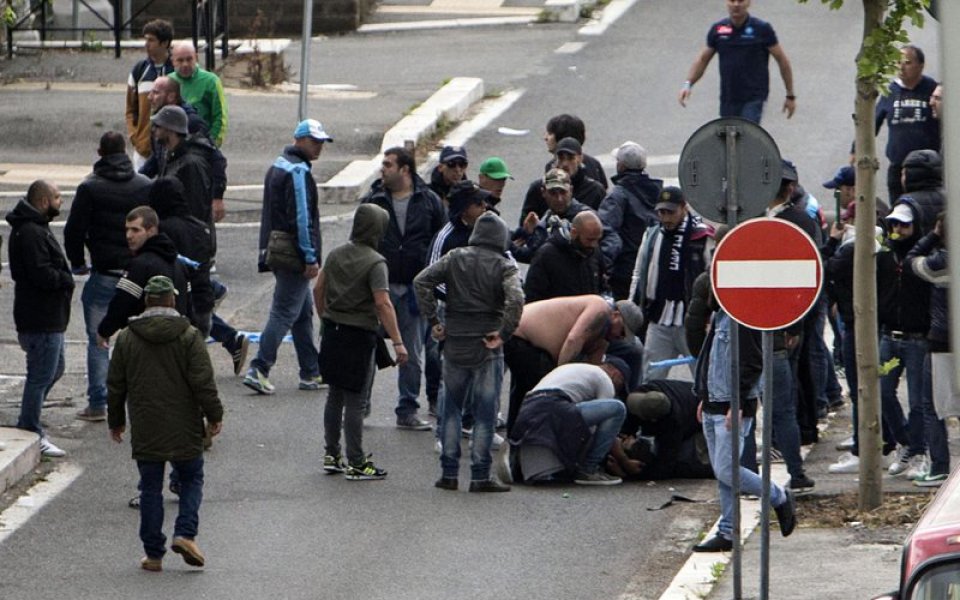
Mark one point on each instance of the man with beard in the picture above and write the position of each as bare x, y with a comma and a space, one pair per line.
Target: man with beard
568, 265
557, 192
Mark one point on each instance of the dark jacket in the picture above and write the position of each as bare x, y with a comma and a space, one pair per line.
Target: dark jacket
585, 191
439, 185
291, 204
560, 269
910, 121
160, 370
190, 163
751, 368
672, 429
928, 260
627, 211
923, 182
157, 256
525, 245
406, 254
839, 274
199, 129
903, 298
590, 164
43, 285
99, 212
697, 320
553, 422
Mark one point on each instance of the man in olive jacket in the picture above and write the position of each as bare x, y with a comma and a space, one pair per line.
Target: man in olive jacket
161, 370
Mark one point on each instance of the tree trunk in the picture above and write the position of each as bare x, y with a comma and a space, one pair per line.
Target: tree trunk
865, 280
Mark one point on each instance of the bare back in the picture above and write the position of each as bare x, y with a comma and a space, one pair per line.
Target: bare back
566, 327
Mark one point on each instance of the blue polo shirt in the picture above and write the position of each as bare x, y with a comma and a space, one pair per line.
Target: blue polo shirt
744, 56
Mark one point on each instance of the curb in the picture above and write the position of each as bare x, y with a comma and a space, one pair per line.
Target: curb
449, 103
20, 454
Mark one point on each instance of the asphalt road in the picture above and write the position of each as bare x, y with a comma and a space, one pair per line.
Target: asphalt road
272, 524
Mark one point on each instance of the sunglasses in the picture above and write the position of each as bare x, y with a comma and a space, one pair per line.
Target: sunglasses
456, 164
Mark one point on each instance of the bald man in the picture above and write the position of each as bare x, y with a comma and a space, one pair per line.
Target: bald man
202, 89
568, 266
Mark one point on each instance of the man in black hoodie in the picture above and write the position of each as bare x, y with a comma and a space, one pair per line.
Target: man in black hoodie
153, 254
41, 301
922, 180
96, 221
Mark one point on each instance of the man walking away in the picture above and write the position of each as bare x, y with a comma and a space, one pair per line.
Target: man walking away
43, 288
161, 372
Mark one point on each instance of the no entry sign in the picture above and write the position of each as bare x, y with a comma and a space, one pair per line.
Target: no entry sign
766, 273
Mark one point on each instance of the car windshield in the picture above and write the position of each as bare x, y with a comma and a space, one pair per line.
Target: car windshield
939, 583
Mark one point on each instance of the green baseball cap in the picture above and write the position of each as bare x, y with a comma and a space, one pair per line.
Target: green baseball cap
495, 168
159, 285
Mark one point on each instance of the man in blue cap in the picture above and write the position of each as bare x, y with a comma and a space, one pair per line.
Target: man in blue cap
290, 222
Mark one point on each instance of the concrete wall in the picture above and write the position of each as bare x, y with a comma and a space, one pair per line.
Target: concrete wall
280, 17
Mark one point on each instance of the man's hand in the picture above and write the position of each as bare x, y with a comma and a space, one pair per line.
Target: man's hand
492, 340
402, 355
103, 342
219, 210
836, 230
311, 271
530, 222
439, 332
116, 434
728, 422
789, 105
684, 94
214, 429
790, 341
700, 412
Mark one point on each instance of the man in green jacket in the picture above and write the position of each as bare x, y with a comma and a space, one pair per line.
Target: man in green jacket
161, 370
202, 89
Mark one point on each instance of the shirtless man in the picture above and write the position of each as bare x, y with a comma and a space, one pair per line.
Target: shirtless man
559, 331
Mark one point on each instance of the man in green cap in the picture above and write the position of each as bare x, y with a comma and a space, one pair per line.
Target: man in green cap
161, 371
493, 178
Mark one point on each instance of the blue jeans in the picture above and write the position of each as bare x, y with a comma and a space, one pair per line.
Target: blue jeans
412, 330
821, 362
912, 352
151, 502
291, 310
751, 110
786, 429
220, 331
935, 430
719, 444
45, 364
476, 389
606, 415
96, 296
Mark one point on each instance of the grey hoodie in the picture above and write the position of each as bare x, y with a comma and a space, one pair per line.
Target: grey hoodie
354, 270
483, 292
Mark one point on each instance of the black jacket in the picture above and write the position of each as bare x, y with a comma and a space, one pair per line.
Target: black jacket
586, 190
554, 422
928, 259
158, 256
627, 212
43, 285
198, 128
99, 212
590, 164
290, 207
923, 182
903, 298
524, 246
406, 254
560, 269
190, 163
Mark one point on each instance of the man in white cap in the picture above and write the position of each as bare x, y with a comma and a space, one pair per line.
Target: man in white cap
290, 227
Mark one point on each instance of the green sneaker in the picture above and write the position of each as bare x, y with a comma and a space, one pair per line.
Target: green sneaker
313, 384
258, 382
364, 472
929, 480
333, 464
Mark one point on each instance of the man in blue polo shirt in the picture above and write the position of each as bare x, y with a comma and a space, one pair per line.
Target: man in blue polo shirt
744, 44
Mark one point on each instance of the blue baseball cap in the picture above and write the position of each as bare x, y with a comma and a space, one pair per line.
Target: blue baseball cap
311, 128
846, 175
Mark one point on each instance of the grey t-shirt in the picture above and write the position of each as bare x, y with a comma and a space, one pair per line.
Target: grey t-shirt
400, 206
580, 381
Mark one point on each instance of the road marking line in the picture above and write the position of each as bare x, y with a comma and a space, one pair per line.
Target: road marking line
570, 48
469, 9
766, 274
445, 24
36, 498
491, 109
609, 16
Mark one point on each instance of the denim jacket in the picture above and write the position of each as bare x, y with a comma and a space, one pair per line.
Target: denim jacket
713, 378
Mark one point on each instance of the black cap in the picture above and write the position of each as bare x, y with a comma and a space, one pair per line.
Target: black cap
670, 198
569, 145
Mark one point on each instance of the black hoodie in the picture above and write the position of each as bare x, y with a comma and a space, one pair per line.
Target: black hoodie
157, 256
99, 211
903, 298
43, 285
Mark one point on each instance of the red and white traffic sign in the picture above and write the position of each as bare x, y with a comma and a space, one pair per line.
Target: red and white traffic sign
766, 273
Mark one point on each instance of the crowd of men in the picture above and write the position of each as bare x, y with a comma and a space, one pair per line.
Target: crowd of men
616, 285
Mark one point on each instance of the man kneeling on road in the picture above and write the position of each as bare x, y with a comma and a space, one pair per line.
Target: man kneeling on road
568, 423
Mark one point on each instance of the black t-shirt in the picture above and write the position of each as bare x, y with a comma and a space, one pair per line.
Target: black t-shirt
744, 56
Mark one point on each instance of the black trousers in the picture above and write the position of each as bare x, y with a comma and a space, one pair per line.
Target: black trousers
528, 365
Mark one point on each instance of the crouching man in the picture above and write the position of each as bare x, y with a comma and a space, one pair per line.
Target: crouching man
161, 371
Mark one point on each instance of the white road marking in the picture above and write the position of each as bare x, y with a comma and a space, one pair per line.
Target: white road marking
36, 498
570, 48
766, 274
608, 17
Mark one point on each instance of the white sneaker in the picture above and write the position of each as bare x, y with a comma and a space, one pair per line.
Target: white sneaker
846, 445
497, 441
438, 447
847, 463
919, 467
48, 449
901, 461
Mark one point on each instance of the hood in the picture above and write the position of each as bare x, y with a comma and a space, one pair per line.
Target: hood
639, 184
162, 246
923, 170
490, 232
158, 328
24, 212
115, 167
370, 223
167, 197
902, 246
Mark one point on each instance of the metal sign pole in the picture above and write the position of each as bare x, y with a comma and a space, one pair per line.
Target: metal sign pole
765, 464
305, 57
731, 133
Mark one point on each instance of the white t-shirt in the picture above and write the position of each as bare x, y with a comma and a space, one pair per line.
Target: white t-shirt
580, 381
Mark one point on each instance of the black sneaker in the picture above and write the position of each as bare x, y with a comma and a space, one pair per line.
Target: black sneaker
413, 423
787, 515
447, 483
488, 485
238, 349
717, 543
364, 472
801, 484
333, 464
